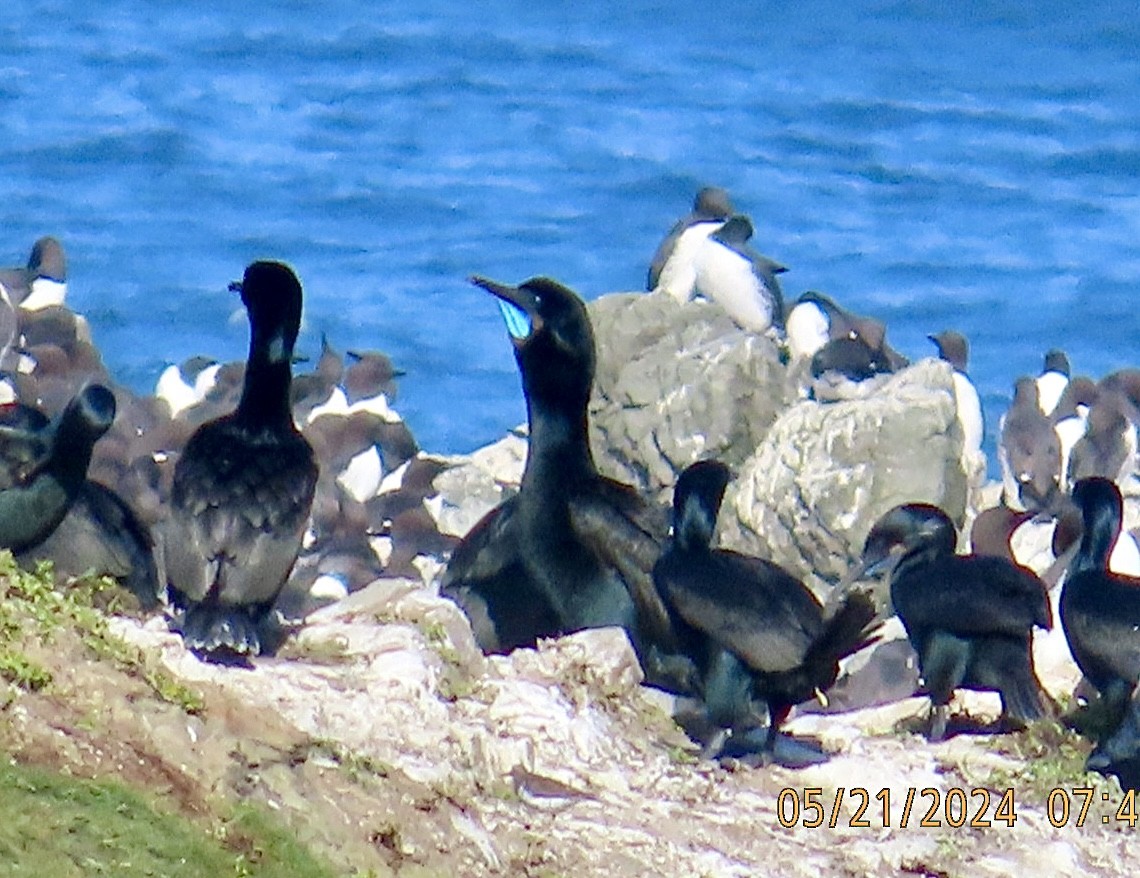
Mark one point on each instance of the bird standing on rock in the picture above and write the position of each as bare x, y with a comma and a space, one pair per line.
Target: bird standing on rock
673, 268
1052, 381
756, 633
1100, 610
969, 618
572, 549
955, 350
242, 486
1029, 452
42, 282
740, 280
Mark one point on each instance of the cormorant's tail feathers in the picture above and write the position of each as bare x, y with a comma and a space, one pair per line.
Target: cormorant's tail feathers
850, 627
1023, 699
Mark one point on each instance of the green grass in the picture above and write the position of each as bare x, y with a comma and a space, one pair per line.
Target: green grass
1052, 756
53, 825
34, 609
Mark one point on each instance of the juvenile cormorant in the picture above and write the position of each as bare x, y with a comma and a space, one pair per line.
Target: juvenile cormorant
969, 617
757, 633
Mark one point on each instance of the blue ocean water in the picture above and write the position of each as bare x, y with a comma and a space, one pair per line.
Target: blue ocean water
971, 166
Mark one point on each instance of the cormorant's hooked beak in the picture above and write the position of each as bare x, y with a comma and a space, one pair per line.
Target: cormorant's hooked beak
877, 563
518, 306
235, 286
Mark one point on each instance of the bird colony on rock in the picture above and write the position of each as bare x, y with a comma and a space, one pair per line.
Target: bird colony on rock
241, 496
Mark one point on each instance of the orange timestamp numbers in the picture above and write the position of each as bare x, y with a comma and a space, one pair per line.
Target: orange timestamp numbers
931, 807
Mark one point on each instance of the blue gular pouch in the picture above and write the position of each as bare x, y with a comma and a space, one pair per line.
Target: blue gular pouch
517, 320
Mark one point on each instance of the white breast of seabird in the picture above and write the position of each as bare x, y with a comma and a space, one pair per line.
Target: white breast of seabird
679, 273
376, 405
969, 412
808, 329
363, 474
1128, 468
727, 278
1050, 386
1125, 557
394, 480
336, 404
1011, 487
174, 391
44, 293
206, 381
1069, 432
328, 588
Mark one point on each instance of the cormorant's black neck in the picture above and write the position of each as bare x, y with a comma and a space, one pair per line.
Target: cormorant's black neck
265, 390
693, 525
559, 450
1102, 527
71, 456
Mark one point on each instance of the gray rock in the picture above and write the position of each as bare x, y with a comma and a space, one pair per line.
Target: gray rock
825, 473
676, 382
475, 484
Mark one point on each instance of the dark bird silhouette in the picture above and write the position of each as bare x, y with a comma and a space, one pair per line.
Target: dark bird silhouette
756, 633
572, 549
242, 486
969, 617
102, 536
1100, 610
43, 464
840, 368
1119, 753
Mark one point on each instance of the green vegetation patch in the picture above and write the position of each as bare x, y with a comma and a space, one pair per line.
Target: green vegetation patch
33, 610
55, 825
1054, 758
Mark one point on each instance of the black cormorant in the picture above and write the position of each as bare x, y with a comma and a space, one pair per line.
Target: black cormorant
1100, 610
242, 486
969, 617
572, 549
756, 633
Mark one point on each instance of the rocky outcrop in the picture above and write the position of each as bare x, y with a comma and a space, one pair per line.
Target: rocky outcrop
400, 750
677, 382
824, 473
475, 484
